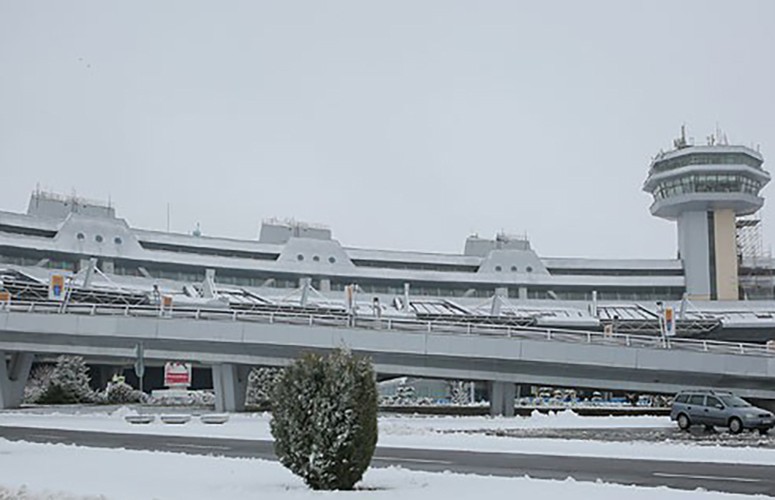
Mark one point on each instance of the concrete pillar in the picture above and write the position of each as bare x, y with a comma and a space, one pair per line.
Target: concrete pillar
108, 266
501, 293
230, 382
502, 398
13, 378
725, 246
325, 285
523, 293
83, 264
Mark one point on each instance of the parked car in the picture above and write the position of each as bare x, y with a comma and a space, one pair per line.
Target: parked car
719, 409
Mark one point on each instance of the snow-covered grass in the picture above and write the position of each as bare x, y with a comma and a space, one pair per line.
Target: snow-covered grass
60, 472
429, 433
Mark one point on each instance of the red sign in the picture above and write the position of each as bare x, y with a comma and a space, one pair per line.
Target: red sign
177, 374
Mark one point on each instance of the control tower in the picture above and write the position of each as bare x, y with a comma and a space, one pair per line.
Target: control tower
704, 189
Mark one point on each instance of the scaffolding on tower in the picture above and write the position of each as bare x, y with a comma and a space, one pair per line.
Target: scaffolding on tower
754, 261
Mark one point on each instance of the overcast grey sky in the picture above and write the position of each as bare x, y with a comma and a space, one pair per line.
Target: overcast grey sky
399, 124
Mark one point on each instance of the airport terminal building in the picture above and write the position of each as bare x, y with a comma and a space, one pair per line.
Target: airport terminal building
710, 191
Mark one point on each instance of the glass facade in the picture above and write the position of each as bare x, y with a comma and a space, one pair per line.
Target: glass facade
417, 266
31, 258
706, 159
707, 183
615, 272
217, 252
610, 293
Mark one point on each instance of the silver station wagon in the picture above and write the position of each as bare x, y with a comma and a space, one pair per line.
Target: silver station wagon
719, 409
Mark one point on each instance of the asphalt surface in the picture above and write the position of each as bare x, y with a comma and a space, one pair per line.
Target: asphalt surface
697, 435
732, 478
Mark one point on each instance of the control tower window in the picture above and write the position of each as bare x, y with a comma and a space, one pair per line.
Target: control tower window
316, 258
498, 268
117, 240
513, 269
98, 238
80, 236
331, 260
300, 257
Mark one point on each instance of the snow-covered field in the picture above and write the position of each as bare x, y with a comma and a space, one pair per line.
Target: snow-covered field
68, 472
449, 433
60, 471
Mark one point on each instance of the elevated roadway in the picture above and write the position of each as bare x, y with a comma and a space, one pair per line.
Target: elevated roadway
233, 341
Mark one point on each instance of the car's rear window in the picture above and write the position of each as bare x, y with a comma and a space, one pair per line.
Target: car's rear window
682, 398
697, 399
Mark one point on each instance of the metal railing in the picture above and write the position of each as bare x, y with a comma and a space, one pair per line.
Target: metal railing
397, 324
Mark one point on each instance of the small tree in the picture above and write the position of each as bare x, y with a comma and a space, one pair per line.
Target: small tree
120, 392
404, 393
37, 383
324, 419
460, 392
69, 382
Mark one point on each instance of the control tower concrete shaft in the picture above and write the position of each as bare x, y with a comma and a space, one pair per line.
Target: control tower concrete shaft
704, 189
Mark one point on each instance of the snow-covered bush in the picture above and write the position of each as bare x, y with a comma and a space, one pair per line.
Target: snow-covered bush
460, 392
122, 393
324, 419
182, 398
69, 383
261, 381
38, 381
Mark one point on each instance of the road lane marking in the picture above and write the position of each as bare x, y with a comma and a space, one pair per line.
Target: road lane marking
417, 460
199, 446
713, 478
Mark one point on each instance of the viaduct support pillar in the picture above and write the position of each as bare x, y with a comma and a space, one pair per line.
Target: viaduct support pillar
230, 382
502, 398
13, 377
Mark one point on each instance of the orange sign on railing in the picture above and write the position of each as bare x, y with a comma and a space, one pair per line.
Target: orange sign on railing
5, 299
166, 305
56, 287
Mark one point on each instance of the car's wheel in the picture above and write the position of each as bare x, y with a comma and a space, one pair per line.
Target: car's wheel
683, 422
735, 425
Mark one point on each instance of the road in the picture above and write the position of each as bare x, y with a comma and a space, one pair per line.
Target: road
731, 478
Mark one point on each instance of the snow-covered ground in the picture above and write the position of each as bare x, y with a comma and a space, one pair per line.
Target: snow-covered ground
68, 472
449, 433
41, 469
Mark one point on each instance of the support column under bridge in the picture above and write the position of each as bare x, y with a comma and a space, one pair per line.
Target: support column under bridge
230, 382
14, 371
502, 398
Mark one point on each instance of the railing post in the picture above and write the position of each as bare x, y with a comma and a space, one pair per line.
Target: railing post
271, 317
32, 306
705, 345
93, 309
742, 349
548, 334
508, 331
589, 337
310, 320
468, 329
390, 324
627, 340
429, 326
234, 316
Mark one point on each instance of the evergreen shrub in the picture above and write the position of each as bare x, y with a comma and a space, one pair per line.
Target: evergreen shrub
324, 419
